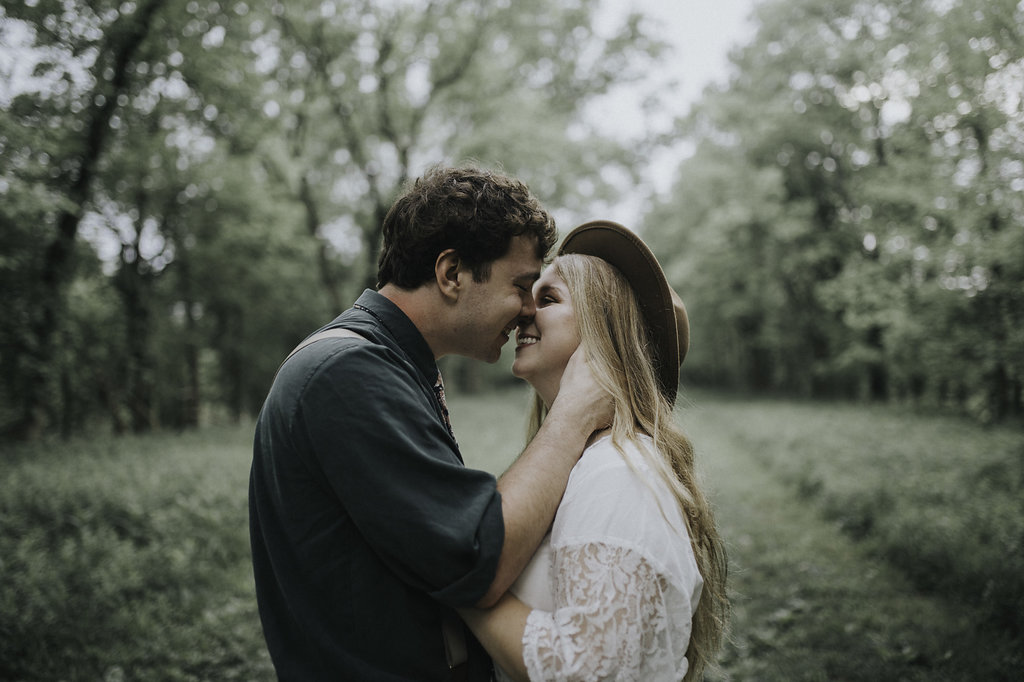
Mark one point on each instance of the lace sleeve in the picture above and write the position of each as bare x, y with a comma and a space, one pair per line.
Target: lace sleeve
615, 618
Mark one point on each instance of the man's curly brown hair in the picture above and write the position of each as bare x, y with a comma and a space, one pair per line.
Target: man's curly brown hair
476, 212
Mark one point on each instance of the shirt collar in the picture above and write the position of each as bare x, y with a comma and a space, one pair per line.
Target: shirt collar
397, 324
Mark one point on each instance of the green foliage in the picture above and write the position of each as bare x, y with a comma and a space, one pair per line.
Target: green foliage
849, 225
882, 259
938, 498
129, 558
366, 95
864, 543
227, 167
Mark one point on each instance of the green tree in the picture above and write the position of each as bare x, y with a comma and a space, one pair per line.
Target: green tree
894, 242
197, 157
155, 167
58, 163
368, 93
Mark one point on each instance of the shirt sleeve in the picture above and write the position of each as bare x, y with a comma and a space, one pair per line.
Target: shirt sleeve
376, 435
615, 618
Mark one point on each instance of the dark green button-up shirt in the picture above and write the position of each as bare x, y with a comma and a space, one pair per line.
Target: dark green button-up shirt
365, 525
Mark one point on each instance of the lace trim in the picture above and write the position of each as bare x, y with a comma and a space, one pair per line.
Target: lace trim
615, 618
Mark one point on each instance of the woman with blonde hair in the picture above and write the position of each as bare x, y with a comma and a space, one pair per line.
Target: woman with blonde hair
629, 584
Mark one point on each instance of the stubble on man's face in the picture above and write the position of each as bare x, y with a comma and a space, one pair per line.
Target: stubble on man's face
495, 305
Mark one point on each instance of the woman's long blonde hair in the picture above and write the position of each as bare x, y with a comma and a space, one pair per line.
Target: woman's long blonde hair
615, 337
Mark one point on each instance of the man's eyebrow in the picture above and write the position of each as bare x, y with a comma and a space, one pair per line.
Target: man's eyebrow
530, 277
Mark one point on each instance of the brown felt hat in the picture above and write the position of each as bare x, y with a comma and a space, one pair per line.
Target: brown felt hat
661, 307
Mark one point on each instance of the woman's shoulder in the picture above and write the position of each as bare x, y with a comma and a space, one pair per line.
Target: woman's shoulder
615, 492
616, 499
605, 452
607, 463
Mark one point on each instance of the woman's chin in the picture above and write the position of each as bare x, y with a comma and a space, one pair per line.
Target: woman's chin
519, 371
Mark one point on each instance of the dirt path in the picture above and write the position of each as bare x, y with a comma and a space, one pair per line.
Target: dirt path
809, 603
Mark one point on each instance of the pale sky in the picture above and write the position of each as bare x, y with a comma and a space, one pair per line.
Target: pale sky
701, 33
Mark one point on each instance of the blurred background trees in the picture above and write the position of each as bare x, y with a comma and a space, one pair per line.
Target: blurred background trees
852, 221
189, 187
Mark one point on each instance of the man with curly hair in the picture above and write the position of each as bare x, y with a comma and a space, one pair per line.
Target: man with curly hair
367, 529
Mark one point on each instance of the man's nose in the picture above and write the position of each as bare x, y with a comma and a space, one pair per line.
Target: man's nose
528, 310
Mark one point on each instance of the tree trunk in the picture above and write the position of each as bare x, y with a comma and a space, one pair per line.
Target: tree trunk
132, 285
373, 244
327, 278
878, 376
190, 391
1000, 389
58, 263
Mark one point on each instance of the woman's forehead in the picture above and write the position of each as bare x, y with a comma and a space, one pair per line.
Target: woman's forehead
550, 279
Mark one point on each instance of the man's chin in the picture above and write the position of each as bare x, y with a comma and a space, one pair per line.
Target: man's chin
491, 357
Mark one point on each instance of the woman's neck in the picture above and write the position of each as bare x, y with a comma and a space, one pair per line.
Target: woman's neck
547, 390
598, 435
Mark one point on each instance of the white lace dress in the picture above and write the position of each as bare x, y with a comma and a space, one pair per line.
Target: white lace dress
614, 586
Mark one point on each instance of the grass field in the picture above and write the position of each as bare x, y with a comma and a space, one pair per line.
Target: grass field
129, 560
865, 544
857, 539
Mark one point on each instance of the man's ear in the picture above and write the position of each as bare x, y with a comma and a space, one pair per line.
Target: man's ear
448, 273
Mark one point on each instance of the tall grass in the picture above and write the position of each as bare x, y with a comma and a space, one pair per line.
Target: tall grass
882, 547
128, 559
941, 498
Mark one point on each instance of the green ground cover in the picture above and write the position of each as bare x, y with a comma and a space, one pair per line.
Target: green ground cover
835, 514
128, 559
865, 544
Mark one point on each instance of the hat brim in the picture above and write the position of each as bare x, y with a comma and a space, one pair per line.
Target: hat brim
661, 307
